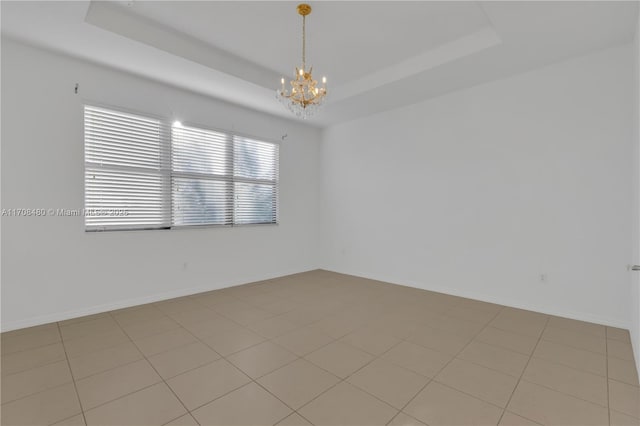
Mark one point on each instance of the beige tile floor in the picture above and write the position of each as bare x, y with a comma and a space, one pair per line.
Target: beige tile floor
324, 349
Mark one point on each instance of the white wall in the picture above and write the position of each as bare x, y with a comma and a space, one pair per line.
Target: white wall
635, 280
480, 192
52, 269
476, 193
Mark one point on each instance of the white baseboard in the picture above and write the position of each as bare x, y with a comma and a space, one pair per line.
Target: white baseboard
580, 316
61, 316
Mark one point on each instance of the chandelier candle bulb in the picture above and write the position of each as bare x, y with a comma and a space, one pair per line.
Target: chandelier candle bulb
304, 97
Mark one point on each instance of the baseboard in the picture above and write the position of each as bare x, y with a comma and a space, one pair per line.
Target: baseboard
580, 316
61, 316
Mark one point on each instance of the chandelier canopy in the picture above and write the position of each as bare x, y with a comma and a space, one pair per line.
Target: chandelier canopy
303, 97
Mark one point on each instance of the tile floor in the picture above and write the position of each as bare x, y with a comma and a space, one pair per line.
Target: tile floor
324, 349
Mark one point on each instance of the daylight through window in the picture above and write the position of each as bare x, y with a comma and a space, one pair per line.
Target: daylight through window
143, 173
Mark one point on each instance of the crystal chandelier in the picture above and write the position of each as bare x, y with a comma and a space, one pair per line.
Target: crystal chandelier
304, 98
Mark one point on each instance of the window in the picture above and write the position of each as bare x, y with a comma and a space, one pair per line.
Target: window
142, 173
126, 182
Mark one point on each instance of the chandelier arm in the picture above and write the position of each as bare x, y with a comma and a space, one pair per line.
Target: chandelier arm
304, 98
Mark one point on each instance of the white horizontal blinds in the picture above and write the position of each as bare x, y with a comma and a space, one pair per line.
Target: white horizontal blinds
141, 175
255, 173
255, 203
199, 151
202, 186
126, 171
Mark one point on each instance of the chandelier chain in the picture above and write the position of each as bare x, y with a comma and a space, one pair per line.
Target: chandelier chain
304, 42
304, 97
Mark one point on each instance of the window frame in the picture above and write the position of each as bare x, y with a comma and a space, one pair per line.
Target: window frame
166, 125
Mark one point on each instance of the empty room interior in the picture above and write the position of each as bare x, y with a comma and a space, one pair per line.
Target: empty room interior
348, 213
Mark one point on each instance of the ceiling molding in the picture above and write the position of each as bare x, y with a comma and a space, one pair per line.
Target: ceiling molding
464, 46
385, 59
114, 18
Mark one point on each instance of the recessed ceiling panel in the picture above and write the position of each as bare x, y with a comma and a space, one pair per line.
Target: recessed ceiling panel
345, 40
377, 55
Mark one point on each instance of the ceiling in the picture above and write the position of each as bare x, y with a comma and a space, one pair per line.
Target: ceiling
376, 55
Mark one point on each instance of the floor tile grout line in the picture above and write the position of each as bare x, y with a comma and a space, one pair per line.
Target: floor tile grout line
625, 341
338, 339
508, 332
524, 369
255, 380
222, 357
620, 359
442, 368
293, 410
284, 366
159, 375
575, 396
75, 386
231, 319
623, 383
222, 395
334, 339
143, 355
145, 358
345, 379
116, 323
43, 391
572, 346
477, 340
565, 393
570, 367
36, 366
483, 366
110, 368
38, 392
232, 353
122, 396
298, 357
83, 353
251, 379
575, 330
539, 358
218, 397
468, 394
40, 328
32, 348
606, 356
180, 416
199, 340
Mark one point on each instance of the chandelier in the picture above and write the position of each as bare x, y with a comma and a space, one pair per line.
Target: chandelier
304, 97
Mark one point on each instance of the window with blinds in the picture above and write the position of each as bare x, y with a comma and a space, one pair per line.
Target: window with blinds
255, 174
142, 173
126, 183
